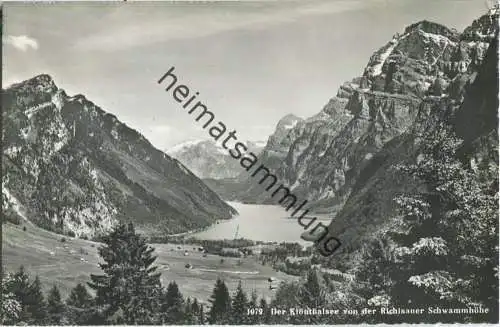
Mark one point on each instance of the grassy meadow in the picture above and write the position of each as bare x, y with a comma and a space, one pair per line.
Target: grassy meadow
70, 262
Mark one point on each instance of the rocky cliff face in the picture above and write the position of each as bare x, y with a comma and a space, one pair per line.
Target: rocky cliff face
70, 167
207, 159
473, 118
324, 157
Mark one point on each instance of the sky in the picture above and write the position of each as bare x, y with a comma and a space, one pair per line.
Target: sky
252, 62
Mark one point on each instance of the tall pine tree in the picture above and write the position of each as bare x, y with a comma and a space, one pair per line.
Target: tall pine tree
189, 317
288, 295
221, 304
79, 297
266, 317
55, 307
195, 309
201, 315
36, 305
80, 306
312, 294
172, 305
239, 315
128, 290
252, 304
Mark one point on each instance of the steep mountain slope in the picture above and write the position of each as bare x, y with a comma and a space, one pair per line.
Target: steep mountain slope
472, 110
321, 158
207, 159
70, 167
431, 210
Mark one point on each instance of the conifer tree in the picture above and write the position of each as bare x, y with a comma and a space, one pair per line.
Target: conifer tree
195, 306
55, 307
266, 317
252, 304
172, 305
373, 273
221, 304
128, 290
311, 293
79, 305
36, 305
195, 311
239, 307
189, 316
253, 299
288, 295
79, 297
201, 315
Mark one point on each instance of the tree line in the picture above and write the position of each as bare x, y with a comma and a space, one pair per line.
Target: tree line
129, 291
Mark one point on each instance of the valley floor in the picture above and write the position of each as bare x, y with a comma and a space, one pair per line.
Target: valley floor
68, 263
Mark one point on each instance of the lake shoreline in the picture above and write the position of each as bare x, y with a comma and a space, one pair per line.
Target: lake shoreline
256, 222
202, 229
198, 230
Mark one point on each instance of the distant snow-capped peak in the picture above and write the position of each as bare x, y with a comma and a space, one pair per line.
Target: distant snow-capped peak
210, 145
209, 159
184, 145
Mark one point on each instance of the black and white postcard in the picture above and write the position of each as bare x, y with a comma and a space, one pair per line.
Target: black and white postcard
250, 162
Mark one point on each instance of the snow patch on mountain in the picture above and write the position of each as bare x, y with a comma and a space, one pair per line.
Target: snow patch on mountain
377, 68
436, 38
291, 125
183, 145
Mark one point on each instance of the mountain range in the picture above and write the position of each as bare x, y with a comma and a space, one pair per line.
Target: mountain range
340, 159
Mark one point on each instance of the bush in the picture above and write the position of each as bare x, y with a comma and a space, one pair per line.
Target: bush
8, 216
24, 228
63, 239
71, 233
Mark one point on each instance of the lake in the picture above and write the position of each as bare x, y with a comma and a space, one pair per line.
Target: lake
256, 222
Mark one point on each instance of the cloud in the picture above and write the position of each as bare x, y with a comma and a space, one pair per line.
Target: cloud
21, 42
